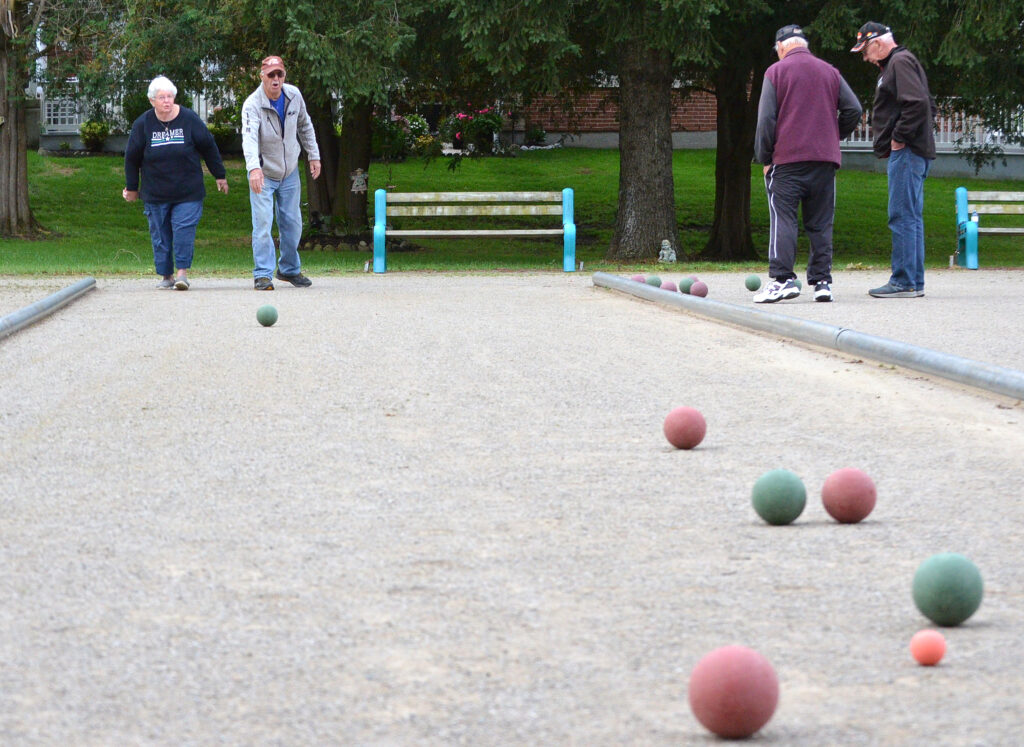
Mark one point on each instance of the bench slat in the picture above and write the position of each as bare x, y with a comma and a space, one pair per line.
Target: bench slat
431, 211
996, 196
481, 232
395, 197
1001, 230
992, 209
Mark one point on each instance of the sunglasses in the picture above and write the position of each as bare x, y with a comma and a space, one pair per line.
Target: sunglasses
275, 74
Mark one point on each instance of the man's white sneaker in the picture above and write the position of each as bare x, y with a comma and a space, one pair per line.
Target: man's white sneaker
776, 291
822, 291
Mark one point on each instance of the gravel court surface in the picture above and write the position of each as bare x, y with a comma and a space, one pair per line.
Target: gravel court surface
439, 509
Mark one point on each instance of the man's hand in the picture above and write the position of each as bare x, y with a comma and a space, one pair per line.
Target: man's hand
767, 166
314, 169
130, 195
896, 145
256, 180
222, 185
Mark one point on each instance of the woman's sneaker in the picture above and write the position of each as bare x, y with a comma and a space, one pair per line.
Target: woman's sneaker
822, 291
776, 291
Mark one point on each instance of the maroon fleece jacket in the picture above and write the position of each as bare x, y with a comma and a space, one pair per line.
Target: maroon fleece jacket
797, 116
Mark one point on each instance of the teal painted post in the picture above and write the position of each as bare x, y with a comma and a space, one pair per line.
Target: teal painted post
966, 232
961, 206
569, 231
380, 221
971, 245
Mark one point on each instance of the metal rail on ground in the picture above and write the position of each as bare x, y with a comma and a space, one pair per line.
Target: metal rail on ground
992, 378
34, 312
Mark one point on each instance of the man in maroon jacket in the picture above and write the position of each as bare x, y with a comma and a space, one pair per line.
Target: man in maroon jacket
902, 123
805, 109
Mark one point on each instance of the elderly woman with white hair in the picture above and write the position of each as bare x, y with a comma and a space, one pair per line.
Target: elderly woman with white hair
165, 145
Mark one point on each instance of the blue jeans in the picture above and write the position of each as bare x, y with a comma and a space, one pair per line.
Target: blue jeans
278, 199
172, 226
907, 172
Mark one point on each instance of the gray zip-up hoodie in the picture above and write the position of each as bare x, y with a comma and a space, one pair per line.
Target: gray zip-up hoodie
264, 145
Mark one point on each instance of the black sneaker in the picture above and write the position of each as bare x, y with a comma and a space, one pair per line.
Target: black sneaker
822, 292
263, 284
298, 279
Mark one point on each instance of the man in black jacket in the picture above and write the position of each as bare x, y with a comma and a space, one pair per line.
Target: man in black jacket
902, 118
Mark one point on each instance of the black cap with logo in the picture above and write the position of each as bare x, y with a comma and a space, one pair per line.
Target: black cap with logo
869, 31
788, 32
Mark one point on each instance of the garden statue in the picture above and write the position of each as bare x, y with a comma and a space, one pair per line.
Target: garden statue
667, 253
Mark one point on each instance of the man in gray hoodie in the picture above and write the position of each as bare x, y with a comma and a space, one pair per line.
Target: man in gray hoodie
274, 124
805, 109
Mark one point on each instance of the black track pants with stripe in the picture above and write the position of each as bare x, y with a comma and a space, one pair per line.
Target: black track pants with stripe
810, 185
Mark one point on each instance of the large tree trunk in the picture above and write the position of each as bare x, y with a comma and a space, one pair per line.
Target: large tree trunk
730, 238
353, 156
16, 217
647, 211
321, 192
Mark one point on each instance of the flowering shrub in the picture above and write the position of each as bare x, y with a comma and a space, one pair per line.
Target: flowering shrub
476, 128
417, 125
393, 137
427, 146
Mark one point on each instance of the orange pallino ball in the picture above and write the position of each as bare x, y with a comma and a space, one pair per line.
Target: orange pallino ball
928, 647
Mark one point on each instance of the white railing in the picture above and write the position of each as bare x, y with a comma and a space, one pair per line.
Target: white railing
64, 115
951, 130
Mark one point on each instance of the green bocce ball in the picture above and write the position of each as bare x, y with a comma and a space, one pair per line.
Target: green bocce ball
779, 496
947, 588
266, 315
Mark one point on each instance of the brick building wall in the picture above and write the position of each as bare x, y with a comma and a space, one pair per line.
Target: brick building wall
597, 111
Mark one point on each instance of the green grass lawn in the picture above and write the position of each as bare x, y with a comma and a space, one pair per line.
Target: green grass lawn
93, 231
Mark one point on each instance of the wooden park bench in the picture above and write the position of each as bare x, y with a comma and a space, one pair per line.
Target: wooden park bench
969, 205
447, 204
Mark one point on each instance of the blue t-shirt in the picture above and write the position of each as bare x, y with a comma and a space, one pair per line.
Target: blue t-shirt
278, 105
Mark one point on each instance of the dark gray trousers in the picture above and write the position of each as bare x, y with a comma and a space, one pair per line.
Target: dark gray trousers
810, 185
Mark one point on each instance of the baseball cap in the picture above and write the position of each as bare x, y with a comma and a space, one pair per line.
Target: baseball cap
869, 31
271, 63
788, 32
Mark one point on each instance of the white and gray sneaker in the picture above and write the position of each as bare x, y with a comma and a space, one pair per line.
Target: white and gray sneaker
165, 283
776, 291
822, 291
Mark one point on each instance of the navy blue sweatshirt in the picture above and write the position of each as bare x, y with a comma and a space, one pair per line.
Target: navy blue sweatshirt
805, 109
168, 154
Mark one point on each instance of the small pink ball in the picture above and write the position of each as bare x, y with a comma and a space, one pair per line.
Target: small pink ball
848, 495
733, 691
699, 288
639, 279
928, 647
668, 285
684, 427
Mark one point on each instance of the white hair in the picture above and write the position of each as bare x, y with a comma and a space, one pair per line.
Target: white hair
793, 41
886, 37
161, 83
